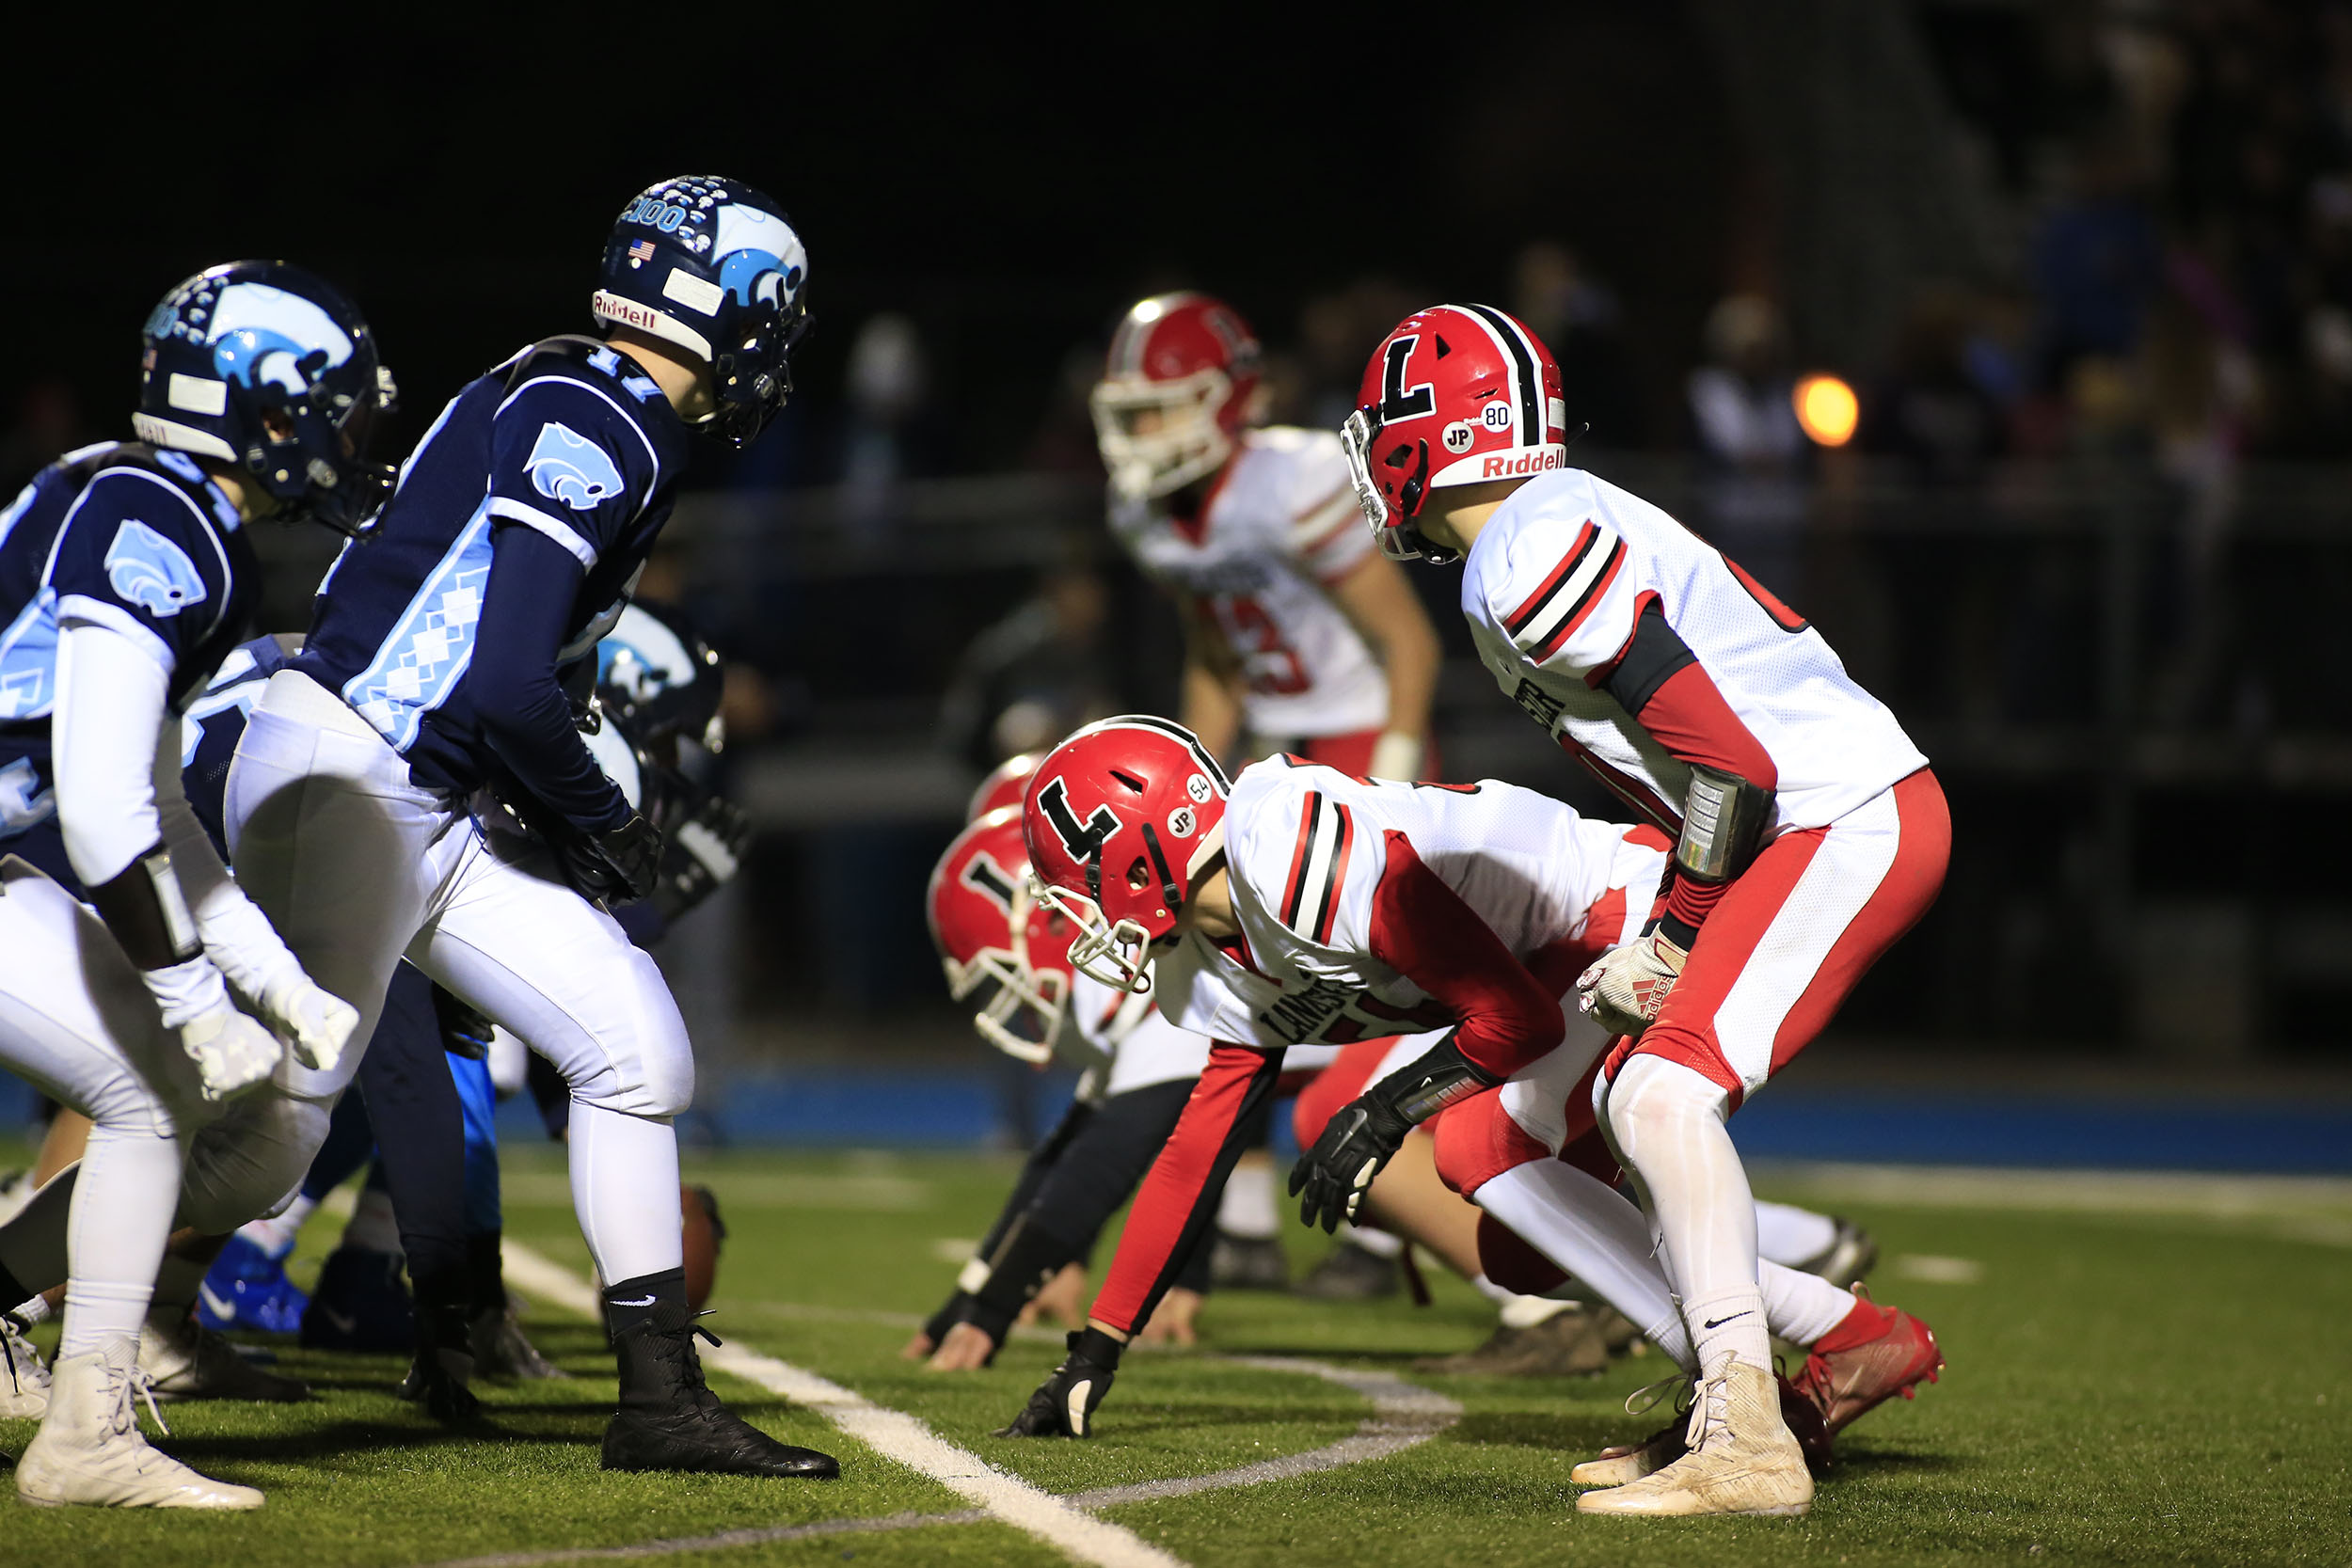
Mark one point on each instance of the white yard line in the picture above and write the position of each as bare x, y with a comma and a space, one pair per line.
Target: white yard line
894, 1435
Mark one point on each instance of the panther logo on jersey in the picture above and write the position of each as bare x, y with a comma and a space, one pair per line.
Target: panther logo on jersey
566, 466
152, 572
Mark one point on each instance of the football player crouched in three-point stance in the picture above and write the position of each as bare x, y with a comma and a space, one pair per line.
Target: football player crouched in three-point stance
1809, 832
1009, 956
431, 674
1307, 905
127, 577
1299, 636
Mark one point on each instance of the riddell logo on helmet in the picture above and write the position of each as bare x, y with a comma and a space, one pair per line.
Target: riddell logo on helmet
626, 311
1535, 462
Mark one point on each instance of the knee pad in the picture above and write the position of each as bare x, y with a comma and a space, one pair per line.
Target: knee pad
1477, 1141
1511, 1263
251, 1162
1653, 1098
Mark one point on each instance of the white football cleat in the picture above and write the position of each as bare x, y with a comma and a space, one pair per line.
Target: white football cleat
89, 1449
1741, 1458
23, 1379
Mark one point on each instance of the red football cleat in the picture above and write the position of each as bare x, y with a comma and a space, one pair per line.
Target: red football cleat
1877, 1352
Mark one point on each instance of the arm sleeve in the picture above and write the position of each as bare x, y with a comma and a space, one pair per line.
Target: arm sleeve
1177, 1203
525, 607
237, 936
111, 699
1687, 714
1327, 535
1422, 928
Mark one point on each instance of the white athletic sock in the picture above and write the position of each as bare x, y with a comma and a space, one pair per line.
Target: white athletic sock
1787, 1235
1588, 1228
625, 1189
276, 1235
374, 1226
1800, 1307
1668, 1121
1248, 1207
1380, 1244
33, 1309
1491, 1291
121, 1216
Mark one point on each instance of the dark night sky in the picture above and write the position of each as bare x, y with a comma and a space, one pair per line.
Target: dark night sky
1011, 184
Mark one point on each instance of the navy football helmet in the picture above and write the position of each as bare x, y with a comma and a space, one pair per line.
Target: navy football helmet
267, 367
715, 267
657, 678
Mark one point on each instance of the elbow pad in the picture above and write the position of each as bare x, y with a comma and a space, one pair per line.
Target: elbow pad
146, 913
1723, 821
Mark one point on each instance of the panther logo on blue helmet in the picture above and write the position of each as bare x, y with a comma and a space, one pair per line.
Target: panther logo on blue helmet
266, 366
715, 267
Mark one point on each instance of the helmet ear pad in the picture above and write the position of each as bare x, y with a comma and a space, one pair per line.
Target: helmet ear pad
1415, 489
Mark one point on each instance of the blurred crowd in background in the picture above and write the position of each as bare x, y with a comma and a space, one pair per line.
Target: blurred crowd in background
2086, 527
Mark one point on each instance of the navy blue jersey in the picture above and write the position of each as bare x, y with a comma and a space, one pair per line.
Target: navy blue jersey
568, 439
133, 538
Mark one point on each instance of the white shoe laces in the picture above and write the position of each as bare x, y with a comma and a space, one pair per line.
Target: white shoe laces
123, 1385
1651, 1395
1710, 1410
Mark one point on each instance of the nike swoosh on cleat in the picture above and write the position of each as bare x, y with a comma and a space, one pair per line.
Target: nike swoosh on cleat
1718, 1322
345, 1322
648, 1302
225, 1311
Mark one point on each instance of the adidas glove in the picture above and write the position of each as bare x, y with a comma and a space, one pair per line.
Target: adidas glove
1065, 1404
1625, 988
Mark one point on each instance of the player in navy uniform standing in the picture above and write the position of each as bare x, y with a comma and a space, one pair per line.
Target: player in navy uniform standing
432, 680
125, 577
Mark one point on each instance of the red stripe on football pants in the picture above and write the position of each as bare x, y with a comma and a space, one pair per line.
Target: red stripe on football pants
1744, 922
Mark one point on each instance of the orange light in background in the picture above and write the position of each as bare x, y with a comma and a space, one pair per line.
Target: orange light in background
1826, 409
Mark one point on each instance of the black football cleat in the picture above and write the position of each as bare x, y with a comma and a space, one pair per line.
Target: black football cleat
669, 1419
437, 1381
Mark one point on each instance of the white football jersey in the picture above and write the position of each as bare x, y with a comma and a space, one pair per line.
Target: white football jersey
1123, 1042
1553, 587
1305, 849
1280, 525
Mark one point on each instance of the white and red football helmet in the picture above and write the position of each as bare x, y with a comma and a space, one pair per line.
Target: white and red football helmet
1191, 363
1119, 820
1457, 394
1004, 785
1005, 953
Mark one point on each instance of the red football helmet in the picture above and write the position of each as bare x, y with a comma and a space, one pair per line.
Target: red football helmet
1190, 364
1457, 394
1003, 952
1123, 814
1004, 786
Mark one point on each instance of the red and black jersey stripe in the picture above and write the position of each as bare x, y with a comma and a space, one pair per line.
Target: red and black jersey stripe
1547, 617
1311, 896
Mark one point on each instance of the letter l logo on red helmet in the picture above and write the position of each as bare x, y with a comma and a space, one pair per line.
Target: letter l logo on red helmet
1456, 394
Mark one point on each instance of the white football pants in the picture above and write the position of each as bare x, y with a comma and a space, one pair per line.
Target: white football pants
357, 866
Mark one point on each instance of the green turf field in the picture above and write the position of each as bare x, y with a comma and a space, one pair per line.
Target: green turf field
2140, 1374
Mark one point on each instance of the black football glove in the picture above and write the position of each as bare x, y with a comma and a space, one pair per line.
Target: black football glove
1366, 1134
1065, 1404
700, 855
465, 1031
619, 865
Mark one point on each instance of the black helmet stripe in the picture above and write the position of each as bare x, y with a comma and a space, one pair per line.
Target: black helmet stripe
1192, 742
1523, 360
